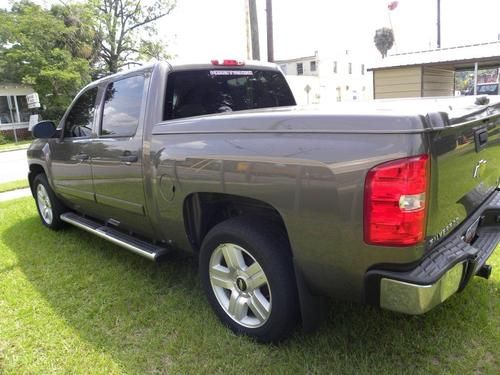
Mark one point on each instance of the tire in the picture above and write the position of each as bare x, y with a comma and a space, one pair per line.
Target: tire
247, 274
48, 206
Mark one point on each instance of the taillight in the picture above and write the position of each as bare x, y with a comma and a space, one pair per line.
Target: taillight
395, 202
228, 62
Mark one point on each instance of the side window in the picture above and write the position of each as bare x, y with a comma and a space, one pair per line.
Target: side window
122, 107
81, 116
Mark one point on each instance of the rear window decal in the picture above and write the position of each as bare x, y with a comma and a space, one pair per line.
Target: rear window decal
231, 73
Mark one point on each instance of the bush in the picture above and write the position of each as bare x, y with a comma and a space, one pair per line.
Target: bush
3, 139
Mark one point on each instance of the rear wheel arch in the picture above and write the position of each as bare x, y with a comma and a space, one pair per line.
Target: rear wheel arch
203, 211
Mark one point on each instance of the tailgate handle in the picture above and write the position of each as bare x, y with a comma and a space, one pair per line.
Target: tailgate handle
481, 138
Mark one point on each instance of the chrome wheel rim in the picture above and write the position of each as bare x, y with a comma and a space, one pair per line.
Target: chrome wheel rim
240, 285
44, 204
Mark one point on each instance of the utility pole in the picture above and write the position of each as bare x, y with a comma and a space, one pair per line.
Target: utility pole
270, 40
247, 31
254, 29
438, 23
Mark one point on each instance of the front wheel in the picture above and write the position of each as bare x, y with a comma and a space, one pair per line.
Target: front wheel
49, 207
247, 274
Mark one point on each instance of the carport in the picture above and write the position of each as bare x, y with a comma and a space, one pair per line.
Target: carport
432, 72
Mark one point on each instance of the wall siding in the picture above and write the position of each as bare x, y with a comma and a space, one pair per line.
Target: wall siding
438, 81
397, 83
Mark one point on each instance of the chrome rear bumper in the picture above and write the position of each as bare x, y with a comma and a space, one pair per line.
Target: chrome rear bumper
443, 271
417, 299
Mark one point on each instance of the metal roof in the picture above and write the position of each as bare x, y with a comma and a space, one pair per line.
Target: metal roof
460, 56
296, 59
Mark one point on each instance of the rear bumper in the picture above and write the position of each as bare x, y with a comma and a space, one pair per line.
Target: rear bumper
444, 271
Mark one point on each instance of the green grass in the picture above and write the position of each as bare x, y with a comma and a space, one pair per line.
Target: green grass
72, 303
11, 146
13, 185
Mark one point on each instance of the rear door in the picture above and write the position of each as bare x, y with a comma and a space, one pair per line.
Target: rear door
465, 169
70, 155
117, 164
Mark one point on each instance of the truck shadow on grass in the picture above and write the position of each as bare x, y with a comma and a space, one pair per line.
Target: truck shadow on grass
154, 318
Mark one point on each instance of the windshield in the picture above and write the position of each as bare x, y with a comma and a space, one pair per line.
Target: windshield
201, 92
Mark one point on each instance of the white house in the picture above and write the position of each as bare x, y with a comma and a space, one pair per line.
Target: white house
329, 76
14, 111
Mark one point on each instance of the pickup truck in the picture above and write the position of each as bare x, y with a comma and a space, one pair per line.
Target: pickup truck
391, 203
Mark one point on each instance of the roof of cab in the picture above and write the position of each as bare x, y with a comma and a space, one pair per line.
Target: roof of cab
180, 65
246, 64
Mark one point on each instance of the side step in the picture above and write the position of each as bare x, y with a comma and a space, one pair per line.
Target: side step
145, 249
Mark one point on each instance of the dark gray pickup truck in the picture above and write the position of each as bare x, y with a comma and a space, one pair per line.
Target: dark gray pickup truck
395, 204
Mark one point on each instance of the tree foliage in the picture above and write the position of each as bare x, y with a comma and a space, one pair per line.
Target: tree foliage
58, 50
45, 49
125, 29
384, 40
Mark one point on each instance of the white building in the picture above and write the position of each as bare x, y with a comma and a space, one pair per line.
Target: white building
14, 111
328, 77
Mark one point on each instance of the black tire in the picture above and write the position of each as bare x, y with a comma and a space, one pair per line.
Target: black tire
56, 207
263, 243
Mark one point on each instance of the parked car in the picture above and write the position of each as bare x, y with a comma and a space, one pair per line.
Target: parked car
396, 204
484, 89
488, 89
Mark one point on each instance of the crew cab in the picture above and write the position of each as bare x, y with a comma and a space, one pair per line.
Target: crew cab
392, 203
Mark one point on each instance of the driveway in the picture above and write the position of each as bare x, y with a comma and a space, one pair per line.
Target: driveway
13, 165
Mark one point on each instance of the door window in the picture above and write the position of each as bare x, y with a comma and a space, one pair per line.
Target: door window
122, 107
81, 116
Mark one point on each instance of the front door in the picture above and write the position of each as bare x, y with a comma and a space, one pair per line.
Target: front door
117, 156
70, 154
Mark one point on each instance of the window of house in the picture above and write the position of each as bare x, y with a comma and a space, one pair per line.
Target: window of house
339, 94
300, 69
80, 118
335, 67
362, 69
22, 106
350, 68
313, 66
122, 107
6, 110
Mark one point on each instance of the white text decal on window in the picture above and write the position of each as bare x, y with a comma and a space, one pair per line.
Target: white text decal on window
231, 73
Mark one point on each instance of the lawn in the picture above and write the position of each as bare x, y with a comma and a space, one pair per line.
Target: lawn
13, 185
72, 303
15, 146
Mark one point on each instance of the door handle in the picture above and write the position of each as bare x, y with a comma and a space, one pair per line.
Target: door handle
81, 157
128, 158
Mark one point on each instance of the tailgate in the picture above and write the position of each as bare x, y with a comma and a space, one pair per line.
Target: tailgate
465, 169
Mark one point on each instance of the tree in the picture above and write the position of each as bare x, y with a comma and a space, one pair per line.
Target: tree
384, 40
464, 80
38, 48
121, 26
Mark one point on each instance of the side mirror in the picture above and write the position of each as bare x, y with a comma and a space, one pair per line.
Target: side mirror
44, 129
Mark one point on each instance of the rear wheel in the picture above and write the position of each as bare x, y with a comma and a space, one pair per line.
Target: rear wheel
49, 207
247, 274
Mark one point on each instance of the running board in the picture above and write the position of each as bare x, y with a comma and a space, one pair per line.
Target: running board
145, 249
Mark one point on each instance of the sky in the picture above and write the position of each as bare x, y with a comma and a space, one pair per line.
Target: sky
217, 27
207, 29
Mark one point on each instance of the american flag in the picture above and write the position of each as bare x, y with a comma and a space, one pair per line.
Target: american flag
392, 5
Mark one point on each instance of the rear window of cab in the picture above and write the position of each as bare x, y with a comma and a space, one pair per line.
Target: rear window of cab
209, 91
